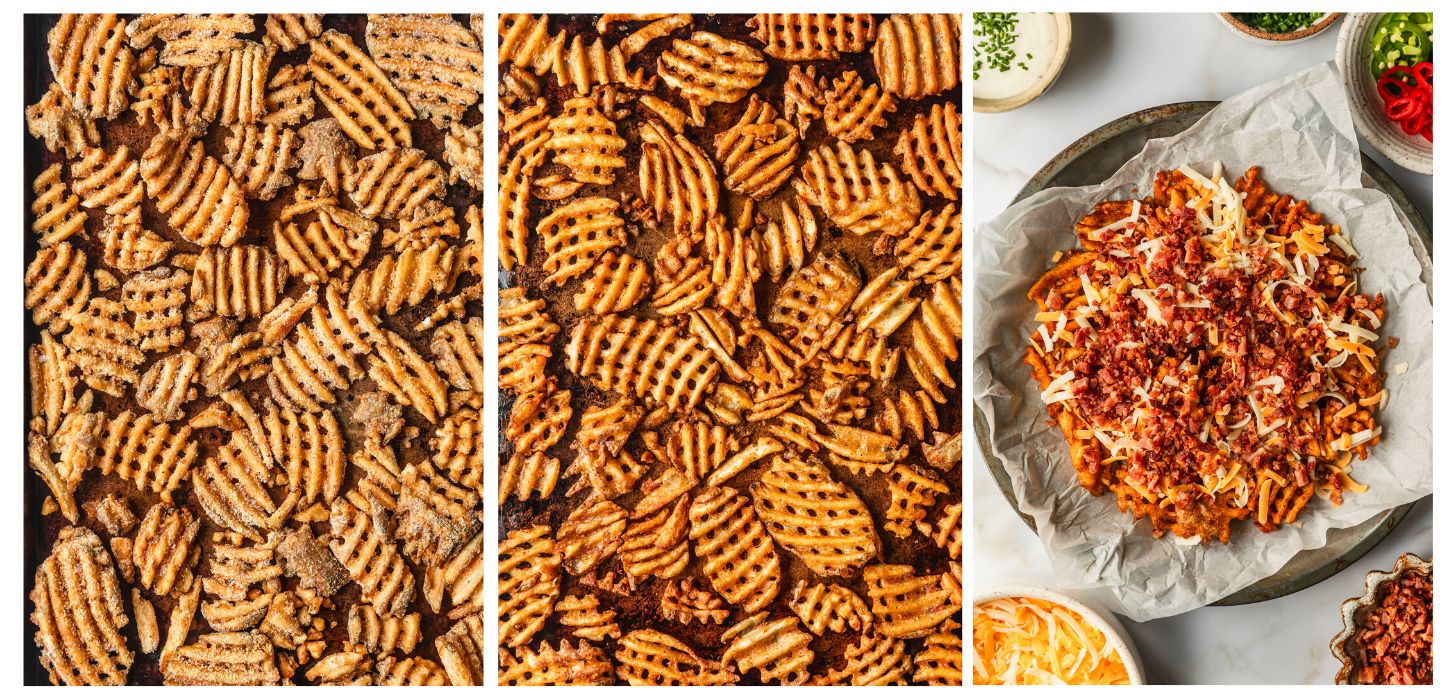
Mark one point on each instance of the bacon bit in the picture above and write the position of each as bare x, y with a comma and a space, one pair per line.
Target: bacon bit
1394, 643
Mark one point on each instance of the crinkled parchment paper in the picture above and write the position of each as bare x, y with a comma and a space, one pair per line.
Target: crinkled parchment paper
1299, 130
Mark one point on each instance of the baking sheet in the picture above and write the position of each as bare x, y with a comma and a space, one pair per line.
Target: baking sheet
1299, 130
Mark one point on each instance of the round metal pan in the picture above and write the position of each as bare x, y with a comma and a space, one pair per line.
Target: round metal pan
1095, 157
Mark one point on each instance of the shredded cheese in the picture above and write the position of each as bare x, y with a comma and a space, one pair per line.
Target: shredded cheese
1030, 641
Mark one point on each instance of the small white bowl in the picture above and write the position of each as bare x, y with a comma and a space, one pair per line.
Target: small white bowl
1104, 621
1259, 36
1063, 22
1352, 54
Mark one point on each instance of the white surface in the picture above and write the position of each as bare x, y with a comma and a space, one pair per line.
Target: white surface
1120, 64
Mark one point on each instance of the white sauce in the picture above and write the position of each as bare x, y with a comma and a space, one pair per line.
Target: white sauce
1036, 34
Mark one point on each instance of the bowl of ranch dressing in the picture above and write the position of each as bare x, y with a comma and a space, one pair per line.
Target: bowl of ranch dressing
1016, 56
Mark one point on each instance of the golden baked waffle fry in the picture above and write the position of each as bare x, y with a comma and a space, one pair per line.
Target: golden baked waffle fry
60, 129
411, 671
644, 358
884, 303
379, 472
319, 357
853, 110
528, 583
675, 177
909, 413
52, 385
946, 530
684, 291
526, 42
856, 193
289, 97
708, 68
436, 517
462, 651
394, 182
872, 660
310, 449
459, 447
918, 55
617, 283
936, 331
400, 371
460, 580
128, 247
931, 251
233, 489
907, 606
109, 180
235, 569
148, 452
407, 278
232, 90
103, 345
583, 616
652, 658
931, 151
813, 298
342, 668
459, 352
222, 658
80, 613
383, 635
803, 97
316, 249
913, 491
683, 602
433, 59
358, 93
831, 608
56, 209
785, 244
204, 202
372, 558
590, 534
527, 474
585, 142
859, 450
515, 195
155, 299
758, 152
240, 282
189, 40
260, 158
163, 548
812, 37
738, 555
817, 518
288, 32
576, 234
91, 63
155, 89
538, 419
779, 650
429, 224
582, 664
465, 154
939, 661
57, 286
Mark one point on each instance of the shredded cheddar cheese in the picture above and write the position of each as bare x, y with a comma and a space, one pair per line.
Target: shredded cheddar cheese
1030, 641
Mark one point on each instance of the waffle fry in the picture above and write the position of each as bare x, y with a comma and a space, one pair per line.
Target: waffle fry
936, 332
918, 55
907, 606
239, 282
738, 554
309, 447
231, 90
811, 37
913, 491
411, 670
56, 209
288, 99
873, 661
830, 609
857, 193
108, 180
359, 95
57, 286
383, 635
92, 64
788, 499
931, 151
779, 650
434, 60
708, 68
436, 516
78, 608
652, 658
853, 110
675, 177
462, 651
204, 202
163, 548
261, 158
104, 346
393, 183
465, 154
60, 129
528, 583
373, 560
758, 152
222, 658
288, 32
679, 382
189, 40
233, 489
460, 580
582, 664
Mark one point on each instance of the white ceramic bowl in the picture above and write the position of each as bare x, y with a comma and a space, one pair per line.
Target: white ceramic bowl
1063, 23
1092, 613
1264, 38
1353, 57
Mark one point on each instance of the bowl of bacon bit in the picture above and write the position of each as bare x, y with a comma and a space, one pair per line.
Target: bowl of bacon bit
1028, 635
1388, 63
1388, 631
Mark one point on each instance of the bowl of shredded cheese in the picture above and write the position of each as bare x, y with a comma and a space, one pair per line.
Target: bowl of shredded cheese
1026, 635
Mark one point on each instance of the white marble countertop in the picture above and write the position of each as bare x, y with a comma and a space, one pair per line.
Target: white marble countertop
1120, 64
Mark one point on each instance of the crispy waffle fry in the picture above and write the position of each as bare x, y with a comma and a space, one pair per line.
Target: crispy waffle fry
288, 32
232, 487
918, 55
239, 282
358, 94
525, 41
465, 154
411, 670
584, 618
590, 534
459, 351
319, 357
462, 651
79, 610
155, 89
204, 202
614, 353
907, 606
189, 40
383, 635
155, 300
913, 492
104, 346
148, 452
617, 283
909, 413
936, 332
310, 449
260, 158
738, 555
852, 109
528, 583
342, 668
708, 68
931, 251
683, 602
231, 90
91, 63
582, 664
56, 209
372, 558
436, 516
871, 661
652, 658
394, 182
779, 650
222, 658
52, 121
931, 151
813, 298
399, 370
57, 286
108, 180
460, 580
758, 152
812, 37
459, 447
128, 247
856, 193
833, 608
289, 97
792, 499
585, 142
576, 234
236, 569
53, 385
163, 548
434, 60
675, 177
527, 474
939, 661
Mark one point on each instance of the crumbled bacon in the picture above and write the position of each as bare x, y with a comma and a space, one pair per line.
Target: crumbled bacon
1394, 641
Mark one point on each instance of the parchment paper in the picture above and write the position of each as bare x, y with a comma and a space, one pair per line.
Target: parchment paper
1299, 130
